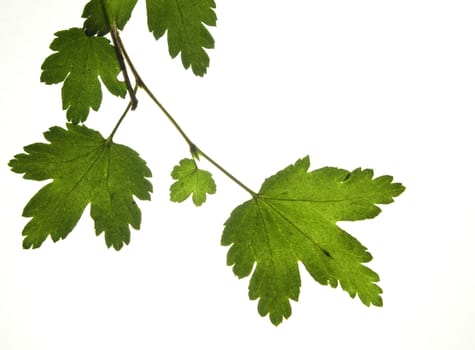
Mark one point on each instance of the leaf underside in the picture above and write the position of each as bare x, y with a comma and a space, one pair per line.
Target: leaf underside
293, 218
191, 181
79, 61
85, 169
184, 21
98, 22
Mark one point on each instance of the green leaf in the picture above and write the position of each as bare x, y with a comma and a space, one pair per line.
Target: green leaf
184, 20
85, 169
79, 62
98, 22
191, 181
293, 218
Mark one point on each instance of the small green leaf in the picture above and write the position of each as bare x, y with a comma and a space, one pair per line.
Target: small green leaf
85, 169
97, 22
184, 20
79, 62
293, 218
191, 181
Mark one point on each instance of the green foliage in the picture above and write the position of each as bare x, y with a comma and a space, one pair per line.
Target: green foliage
85, 169
191, 181
293, 218
184, 21
79, 61
99, 21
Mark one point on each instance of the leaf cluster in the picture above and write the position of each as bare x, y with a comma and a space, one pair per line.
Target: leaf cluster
83, 55
292, 219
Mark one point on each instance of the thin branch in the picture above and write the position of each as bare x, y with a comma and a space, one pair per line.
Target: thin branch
127, 109
137, 77
194, 150
123, 67
228, 174
118, 52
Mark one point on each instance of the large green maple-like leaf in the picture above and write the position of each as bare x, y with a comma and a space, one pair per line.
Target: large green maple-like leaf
184, 21
293, 218
98, 22
86, 169
191, 181
79, 61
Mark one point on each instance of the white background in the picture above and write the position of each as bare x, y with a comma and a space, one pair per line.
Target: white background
388, 85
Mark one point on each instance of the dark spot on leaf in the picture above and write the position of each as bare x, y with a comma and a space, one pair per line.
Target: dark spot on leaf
326, 253
346, 177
